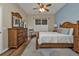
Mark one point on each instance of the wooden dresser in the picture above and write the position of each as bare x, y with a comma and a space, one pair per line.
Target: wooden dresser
76, 39
16, 37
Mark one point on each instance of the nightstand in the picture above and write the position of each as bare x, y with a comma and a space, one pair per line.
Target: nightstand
76, 43
54, 30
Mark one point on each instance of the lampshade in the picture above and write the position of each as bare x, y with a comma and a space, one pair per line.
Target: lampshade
55, 25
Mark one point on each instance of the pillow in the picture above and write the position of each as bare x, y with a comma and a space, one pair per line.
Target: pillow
68, 31
65, 30
71, 31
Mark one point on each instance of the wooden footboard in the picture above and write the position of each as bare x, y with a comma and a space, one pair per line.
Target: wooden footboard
55, 45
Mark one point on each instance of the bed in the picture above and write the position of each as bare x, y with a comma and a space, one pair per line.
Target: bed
55, 39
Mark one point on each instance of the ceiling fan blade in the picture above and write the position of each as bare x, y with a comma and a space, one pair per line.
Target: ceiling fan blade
48, 4
47, 10
38, 3
41, 5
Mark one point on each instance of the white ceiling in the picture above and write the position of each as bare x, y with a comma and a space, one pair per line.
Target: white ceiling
28, 8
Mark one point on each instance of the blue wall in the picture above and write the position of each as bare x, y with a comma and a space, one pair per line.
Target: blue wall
69, 12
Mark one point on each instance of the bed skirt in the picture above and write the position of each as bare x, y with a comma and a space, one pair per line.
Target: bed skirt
53, 45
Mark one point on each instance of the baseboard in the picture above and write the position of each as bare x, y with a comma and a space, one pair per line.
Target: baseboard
4, 50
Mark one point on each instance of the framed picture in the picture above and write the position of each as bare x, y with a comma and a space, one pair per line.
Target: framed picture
16, 22
22, 24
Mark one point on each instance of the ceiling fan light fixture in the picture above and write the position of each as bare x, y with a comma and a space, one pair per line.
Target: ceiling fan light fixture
41, 9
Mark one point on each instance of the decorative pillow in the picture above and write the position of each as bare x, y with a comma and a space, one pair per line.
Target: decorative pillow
71, 31
68, 31
65, 30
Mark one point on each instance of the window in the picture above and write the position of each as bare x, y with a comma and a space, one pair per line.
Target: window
44, 22
38, 22
41, 22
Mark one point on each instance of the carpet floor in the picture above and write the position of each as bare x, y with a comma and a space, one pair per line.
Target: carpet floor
31, 51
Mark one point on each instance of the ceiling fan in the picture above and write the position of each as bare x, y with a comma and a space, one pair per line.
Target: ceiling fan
42, 7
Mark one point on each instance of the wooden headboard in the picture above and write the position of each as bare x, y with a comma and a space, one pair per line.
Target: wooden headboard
69, 25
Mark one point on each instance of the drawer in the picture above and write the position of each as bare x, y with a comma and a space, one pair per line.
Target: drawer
20, 35
19, 31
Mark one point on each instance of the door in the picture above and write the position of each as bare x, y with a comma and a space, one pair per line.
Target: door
1, 31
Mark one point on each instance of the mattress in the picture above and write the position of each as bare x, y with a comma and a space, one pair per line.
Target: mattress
54, 37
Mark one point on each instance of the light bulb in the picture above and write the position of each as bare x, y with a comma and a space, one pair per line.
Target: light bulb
42, 9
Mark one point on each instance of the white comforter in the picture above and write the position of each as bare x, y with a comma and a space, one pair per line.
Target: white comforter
54, 37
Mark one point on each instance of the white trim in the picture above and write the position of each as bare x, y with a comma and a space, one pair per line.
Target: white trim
4, 50
1, 29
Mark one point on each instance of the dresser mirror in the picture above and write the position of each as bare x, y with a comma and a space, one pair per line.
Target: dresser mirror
16, 19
